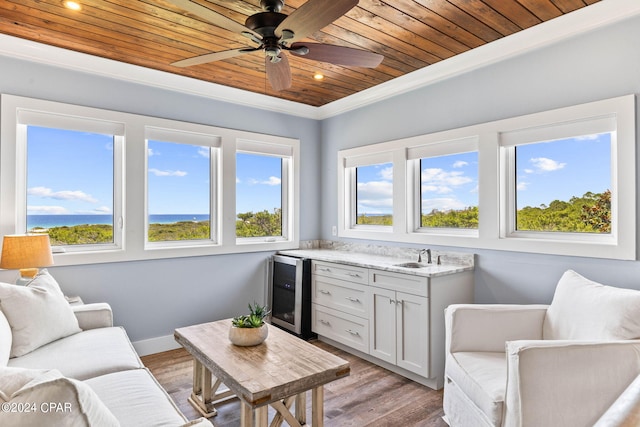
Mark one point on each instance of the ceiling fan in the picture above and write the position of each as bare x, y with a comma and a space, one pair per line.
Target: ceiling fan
275, 33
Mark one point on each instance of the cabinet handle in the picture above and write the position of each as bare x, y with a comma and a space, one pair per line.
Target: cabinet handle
355, 275
355, 333
352, 299
324, 322
391, 301
324, 269
322, 291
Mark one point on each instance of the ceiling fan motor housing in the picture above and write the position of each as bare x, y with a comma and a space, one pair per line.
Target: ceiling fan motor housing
272, 5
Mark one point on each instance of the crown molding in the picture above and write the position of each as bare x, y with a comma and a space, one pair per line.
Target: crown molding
599, 14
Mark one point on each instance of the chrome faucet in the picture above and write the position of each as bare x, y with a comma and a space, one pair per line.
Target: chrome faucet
423, 251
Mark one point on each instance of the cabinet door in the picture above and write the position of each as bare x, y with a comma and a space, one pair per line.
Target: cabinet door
382, 324
413, 333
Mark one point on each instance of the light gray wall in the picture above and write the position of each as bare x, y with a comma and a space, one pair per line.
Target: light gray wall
600, 65
152, 298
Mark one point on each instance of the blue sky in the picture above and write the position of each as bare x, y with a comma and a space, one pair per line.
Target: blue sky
548, 171
70, 172
559, 170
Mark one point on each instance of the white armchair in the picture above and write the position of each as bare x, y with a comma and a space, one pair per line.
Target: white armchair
536, 365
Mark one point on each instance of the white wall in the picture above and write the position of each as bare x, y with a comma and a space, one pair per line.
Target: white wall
603, 64
152, 298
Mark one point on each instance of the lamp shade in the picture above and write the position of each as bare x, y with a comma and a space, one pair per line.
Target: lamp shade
26, 251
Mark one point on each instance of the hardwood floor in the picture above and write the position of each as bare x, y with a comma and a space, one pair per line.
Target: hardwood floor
370, 396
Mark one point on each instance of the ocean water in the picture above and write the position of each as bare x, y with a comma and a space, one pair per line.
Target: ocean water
49, 221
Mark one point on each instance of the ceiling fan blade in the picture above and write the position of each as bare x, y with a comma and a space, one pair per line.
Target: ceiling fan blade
214, 17
339, 55
313, 16
278, 73
211, 57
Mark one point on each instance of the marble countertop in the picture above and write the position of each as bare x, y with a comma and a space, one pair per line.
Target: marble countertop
385, 258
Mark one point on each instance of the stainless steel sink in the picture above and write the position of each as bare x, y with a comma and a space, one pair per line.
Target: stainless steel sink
412, 265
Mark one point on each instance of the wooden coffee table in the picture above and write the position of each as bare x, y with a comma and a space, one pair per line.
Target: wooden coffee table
276, 373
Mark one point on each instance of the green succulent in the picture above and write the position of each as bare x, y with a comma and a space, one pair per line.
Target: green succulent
254, 319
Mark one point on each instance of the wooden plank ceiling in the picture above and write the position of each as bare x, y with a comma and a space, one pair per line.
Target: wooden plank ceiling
411, 34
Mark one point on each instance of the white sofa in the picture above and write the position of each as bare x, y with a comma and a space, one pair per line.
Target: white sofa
88, 376
552, 365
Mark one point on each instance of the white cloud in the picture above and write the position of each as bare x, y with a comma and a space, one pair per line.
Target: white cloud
543, 164
522, 185
204, 152
158, 172
374, 189
61, 195
48, 210
273, 180
150, 152
460, 163
440, 181
386, 174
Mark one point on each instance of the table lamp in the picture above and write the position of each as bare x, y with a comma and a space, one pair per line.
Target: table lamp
26, 252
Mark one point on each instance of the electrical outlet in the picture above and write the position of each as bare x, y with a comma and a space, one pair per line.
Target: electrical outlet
334, 230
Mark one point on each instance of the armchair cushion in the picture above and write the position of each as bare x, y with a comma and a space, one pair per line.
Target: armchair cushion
586, 310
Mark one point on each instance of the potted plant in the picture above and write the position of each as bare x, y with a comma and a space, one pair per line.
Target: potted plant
249, 329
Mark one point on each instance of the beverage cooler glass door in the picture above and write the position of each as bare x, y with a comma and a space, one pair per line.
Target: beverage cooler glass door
286, 292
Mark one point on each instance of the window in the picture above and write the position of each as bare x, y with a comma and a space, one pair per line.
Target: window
70, 197
263, 174
561, 180
556, 182
374, 194
564, 185
449, 191
181, 186
112, 187
68, 181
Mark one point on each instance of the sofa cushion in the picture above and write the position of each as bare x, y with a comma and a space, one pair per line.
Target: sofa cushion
84, 355
5, 339
47, 398
37, 313
136, 399
482, 377
586, 310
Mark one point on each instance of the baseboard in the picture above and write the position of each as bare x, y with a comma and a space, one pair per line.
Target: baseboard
155, 345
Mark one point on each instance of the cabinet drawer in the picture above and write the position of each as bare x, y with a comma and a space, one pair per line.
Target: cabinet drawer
340, 295
415, 285
341, 327
340, 271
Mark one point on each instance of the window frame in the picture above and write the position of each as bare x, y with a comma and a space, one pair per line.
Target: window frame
132, 179
496, 184
194, 135
286, 155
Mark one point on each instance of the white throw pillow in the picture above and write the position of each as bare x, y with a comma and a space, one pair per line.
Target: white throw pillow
37, 313
5, 339
586, 310
46, 398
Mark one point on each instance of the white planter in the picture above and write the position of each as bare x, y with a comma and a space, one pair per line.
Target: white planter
246, 337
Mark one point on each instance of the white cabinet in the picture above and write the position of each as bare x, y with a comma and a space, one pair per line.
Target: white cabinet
399, 329
340, 304
393, 319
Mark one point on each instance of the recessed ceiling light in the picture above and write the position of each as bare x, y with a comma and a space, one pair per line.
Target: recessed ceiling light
73, 5
318, 76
